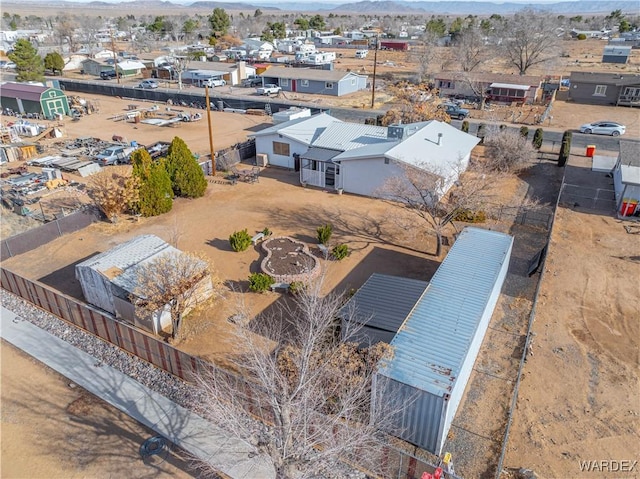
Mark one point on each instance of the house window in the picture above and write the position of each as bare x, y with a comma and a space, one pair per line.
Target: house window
601, 90
304, 83
446, 84
328, 85
353, 82
386, 161
284, 82
631, 92
280, 148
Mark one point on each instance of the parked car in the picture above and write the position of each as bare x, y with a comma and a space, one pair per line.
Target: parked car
115, 155
604, 128
214, 82
455, 111
148, 84
251, 82
108, 74
5, 65
269, 89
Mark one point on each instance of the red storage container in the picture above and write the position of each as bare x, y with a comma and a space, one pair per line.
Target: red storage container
628, 208
591, 150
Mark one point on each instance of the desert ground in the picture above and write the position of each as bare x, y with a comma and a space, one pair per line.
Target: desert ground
68, 432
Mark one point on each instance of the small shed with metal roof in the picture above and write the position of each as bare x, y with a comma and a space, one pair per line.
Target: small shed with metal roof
379, 307
109, 280
28, 98
616, 54
436, 347
315, 81
626, 179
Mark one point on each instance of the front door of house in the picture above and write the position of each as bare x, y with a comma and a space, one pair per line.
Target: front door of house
293, 85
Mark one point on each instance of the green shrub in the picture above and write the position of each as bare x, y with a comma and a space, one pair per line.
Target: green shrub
582, 36
524, 131
324, 233
187, 178
297, 287
465, 126
155, 194
565, 148
240, 240
260, 282
538, 137
482, 132
470, 216
340, 251
266, 232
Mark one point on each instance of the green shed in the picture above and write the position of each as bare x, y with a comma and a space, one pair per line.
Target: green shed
27, 98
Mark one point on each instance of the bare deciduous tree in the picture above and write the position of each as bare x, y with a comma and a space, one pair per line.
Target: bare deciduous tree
529, 38
470, 49
429, 194
507, 151
177, 280
306, 400
114, 190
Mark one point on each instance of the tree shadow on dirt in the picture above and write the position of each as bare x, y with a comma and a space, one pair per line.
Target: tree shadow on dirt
219, 243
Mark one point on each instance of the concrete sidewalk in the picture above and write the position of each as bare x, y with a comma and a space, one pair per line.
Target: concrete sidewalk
191, 432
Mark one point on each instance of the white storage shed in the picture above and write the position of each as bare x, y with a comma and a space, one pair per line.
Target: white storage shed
436, 347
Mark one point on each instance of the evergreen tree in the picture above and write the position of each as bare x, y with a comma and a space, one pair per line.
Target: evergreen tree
187, 178
53, 61
565, 148
538, 138
156, 196
220, 22
29, 64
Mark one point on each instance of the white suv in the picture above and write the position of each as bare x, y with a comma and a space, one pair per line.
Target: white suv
213, 82
148, 84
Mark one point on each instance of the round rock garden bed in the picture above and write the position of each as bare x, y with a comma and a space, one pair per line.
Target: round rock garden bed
288, 260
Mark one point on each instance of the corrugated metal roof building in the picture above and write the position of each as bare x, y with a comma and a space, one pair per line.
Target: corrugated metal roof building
380, 307
436, 347
616, 54
110, 278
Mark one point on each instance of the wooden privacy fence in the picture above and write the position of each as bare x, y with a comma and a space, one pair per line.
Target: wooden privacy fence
126, 337
399, 463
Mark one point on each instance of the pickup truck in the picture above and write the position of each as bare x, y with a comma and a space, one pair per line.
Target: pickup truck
251, 82
269, 89
108, 74
454, 111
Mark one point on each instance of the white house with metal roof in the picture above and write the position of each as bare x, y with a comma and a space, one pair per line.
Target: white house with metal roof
438, 343
284, 143
315, 81
109, 279
357, 158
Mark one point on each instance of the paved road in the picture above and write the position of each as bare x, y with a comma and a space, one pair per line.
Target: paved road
579, 140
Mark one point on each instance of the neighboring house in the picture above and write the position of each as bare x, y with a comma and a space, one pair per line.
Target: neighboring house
626, 179
74, 61
358, 158
27, 98
378, 309
232, 73
130, 68
591, 33
436, 348
620, 89
319, 82
284, 143
616, 54
92, 66
109, 280
497, 86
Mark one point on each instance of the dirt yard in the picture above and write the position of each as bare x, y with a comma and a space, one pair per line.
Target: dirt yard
68, 432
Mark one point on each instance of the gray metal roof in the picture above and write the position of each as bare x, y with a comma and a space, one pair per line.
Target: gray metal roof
307, 74
617, 50
119, 264
348, 136
617, 79
303, 130
369, 151
431, 347
319, 154
384, 301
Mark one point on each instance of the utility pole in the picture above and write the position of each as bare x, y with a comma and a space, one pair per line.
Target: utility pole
373, 83
115, 55
213, 158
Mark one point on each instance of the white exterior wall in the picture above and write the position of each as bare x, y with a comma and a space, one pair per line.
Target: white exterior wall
96, 288
264, 144
364, 177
